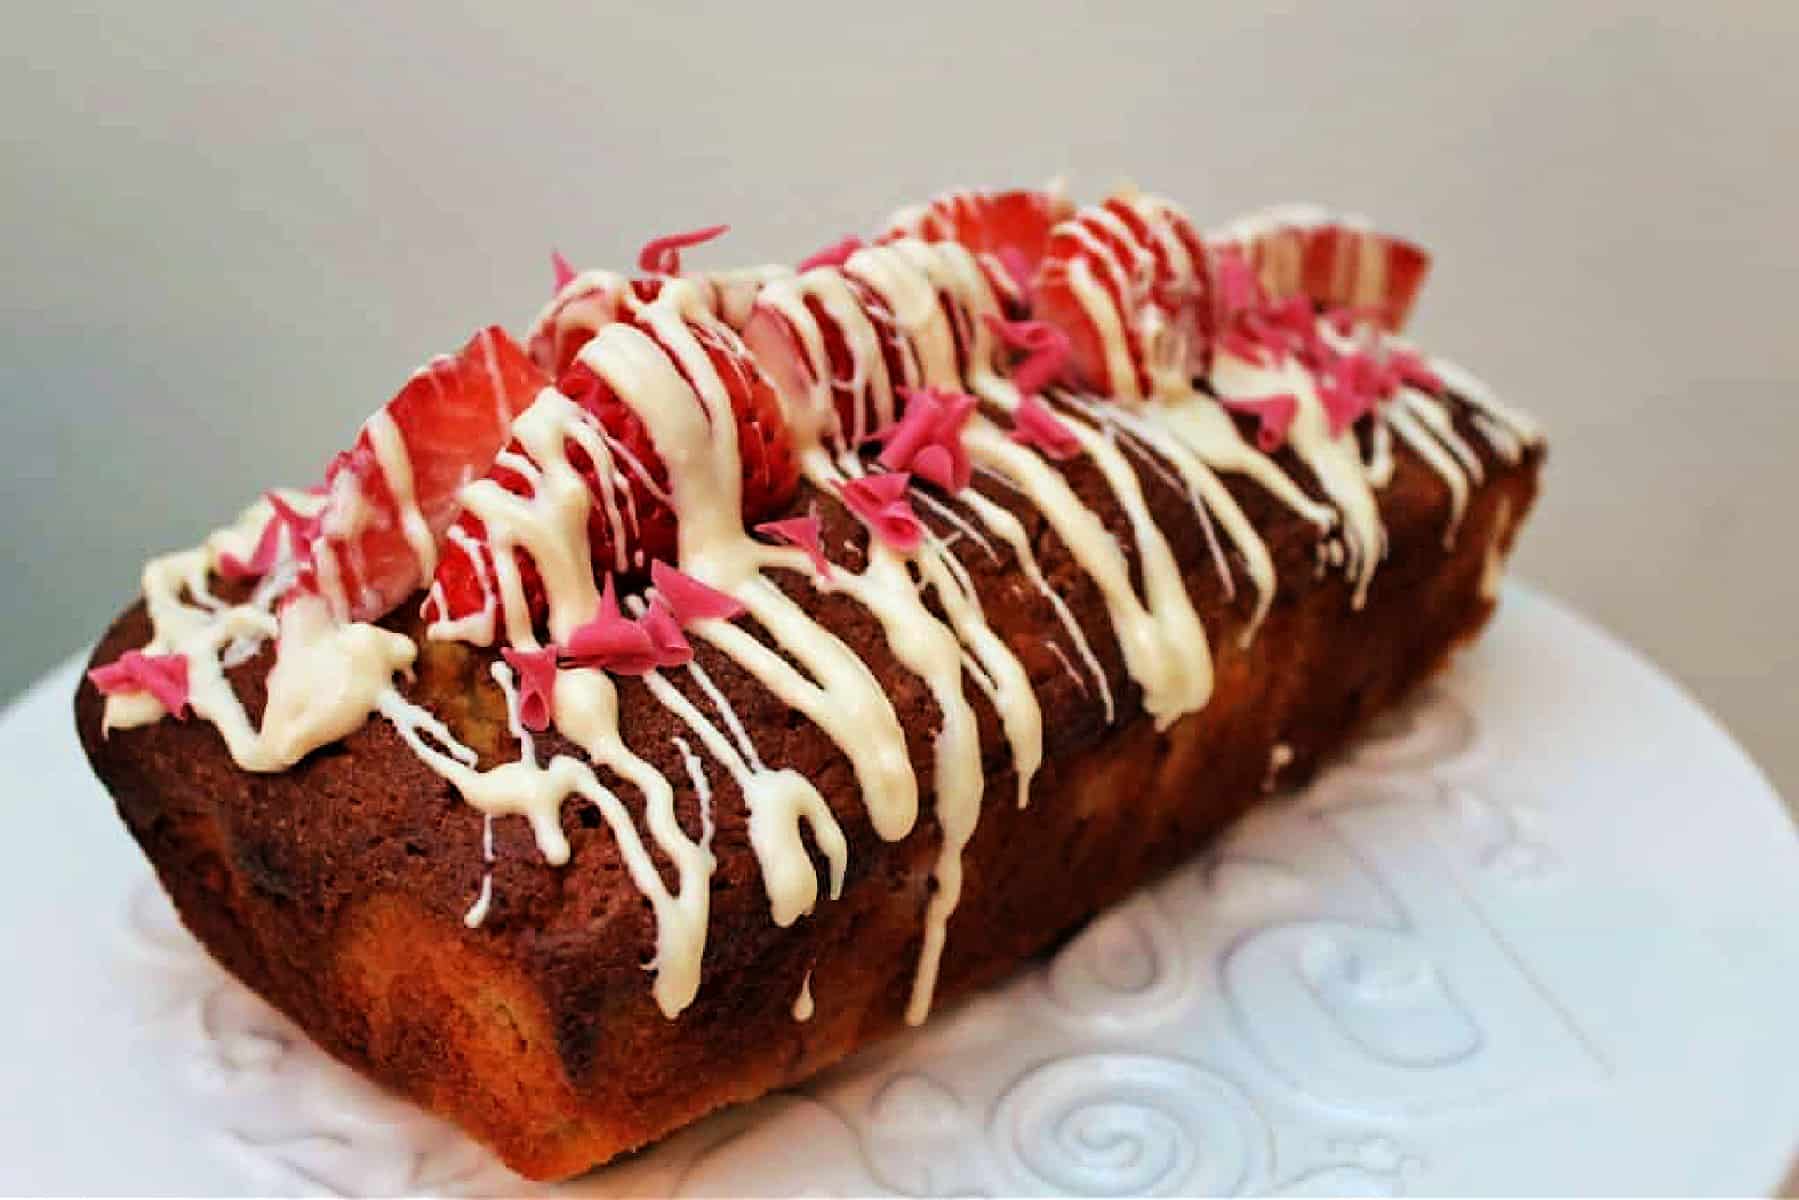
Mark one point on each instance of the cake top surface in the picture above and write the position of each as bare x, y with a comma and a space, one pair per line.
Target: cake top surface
645, 471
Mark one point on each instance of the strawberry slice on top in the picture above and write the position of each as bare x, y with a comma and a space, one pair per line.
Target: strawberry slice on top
632, 523
1008, 232
1129, 282
391, 497
1335, 262
587, 301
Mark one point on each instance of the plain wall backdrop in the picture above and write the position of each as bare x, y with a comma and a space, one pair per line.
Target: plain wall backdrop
232, 231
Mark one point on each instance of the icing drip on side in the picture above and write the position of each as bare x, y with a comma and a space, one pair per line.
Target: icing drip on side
1334, 459
778, 803
1002, 524
1519, 428
586, 710
802, 1003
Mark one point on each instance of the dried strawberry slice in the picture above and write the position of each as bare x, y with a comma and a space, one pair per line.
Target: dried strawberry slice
635, 484
1008, 232
1129, 282
391, 497
586, 302
865, 366
1335, 262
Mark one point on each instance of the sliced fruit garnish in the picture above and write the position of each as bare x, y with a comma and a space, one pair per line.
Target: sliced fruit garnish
834, 255
1335, 262
586, 302
1008, 232
632, 524
1129, 283
392, 496
863, 361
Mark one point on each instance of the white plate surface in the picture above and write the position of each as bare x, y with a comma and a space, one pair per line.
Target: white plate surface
1541, 934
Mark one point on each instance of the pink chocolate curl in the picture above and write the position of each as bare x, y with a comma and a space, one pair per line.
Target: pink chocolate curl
662, 256
1045, 351
804, 533
1350, 386
562, 271
927, 439
1034, 425
881, 502
688, 599
302, 532
664, 630
1412, 371
1238, 286
164, 676
611, 641
834, 255
262, 558
1018, 267
1274, 416
536, 684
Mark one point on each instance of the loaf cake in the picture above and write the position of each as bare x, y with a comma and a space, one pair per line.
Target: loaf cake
646, 715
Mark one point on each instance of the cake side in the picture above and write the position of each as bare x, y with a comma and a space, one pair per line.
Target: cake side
339, 889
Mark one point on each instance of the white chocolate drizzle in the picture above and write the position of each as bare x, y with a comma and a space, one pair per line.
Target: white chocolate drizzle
1334, 460
904, 314
802, 1003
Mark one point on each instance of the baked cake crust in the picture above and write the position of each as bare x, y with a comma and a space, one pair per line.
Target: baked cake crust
338, 889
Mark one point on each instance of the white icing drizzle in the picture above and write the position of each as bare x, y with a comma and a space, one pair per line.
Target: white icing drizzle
1279, 757
502, 675
778, 802
1520, 429
697, 442
395, 462
802, 1003
330, 673
549, 525
1165, 647
1207, 495
477, 912
1002, 524
1492, 572
325, 681
1380, 454
1402, 420
586, 710
702, 786
1074, 676
1334, 460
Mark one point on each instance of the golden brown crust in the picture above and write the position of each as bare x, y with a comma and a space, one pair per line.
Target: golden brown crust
337, 889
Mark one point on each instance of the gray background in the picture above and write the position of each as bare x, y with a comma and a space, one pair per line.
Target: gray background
231, 234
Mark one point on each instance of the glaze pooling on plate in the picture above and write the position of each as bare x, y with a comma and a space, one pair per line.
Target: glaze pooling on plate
1288, 317
1291, 1015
